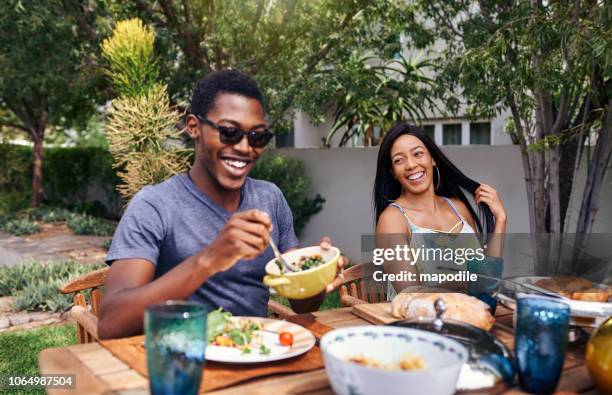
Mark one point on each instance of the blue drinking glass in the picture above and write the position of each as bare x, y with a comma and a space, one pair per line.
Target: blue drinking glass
542, 326
176, 341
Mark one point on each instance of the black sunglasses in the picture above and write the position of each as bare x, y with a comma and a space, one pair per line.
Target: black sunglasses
233, 135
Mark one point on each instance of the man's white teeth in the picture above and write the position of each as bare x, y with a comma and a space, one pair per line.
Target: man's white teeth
235, 163
415, 176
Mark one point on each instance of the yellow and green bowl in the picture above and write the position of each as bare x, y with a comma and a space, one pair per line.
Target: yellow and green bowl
307, 283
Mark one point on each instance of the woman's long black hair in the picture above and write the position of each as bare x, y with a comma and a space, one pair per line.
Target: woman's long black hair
452, 183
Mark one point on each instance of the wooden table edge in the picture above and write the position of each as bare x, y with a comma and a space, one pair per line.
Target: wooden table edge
50, 356
51, 360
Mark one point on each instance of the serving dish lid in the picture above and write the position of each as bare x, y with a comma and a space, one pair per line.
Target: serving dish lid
488, 356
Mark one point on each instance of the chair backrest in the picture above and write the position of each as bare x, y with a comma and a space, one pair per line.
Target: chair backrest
357, 287
86, 331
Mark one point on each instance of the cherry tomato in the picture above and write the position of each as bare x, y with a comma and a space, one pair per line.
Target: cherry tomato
285, 339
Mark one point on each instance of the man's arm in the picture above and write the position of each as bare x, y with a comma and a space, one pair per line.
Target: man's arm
131, 287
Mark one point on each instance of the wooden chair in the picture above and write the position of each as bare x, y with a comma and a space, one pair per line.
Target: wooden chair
86, 317
357, 288
85, 313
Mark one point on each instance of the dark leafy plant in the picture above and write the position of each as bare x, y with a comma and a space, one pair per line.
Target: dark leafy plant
379, 94
26, 222
83, 224
70, 174
35, 285
288, 175
47, 214
19, 226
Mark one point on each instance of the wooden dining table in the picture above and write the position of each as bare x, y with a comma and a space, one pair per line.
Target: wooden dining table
98, 371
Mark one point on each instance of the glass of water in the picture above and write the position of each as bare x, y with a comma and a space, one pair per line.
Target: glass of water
175, 334
542, 325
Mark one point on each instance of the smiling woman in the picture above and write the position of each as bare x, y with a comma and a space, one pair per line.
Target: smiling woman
418, 190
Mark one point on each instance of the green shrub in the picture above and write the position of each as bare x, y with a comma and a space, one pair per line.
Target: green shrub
69, 175
35, 285
70, 172
83, 224
19, 226
24, 222
46, 214
288, 175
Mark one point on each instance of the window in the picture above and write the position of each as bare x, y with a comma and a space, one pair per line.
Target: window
480, 133
285, 139
451, 134
430, 130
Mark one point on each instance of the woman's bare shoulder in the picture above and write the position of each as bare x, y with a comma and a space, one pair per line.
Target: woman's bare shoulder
392, 220
463, 210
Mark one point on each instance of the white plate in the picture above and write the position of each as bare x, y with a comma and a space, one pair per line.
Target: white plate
303, 340
583, 313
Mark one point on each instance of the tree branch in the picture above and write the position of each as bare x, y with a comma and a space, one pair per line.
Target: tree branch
16, 126
190, 39
312, 63
273, 45
562, 112
144, 8
258, 14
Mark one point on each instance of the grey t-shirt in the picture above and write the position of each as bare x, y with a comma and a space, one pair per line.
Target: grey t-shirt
172, 221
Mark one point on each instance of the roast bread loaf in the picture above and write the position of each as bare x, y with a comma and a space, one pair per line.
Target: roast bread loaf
459, 307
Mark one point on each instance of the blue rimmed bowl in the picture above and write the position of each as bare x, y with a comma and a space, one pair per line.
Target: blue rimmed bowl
443, 359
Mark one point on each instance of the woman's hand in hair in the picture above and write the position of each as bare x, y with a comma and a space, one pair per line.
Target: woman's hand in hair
489, 196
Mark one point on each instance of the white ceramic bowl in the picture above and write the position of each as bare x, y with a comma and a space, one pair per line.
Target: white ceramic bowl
443, 359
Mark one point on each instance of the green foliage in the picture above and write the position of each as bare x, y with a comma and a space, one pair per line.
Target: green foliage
46, 63
70, 173
502, 54
138, 133
294, 49
35, 285
129, 52
288, 175
141, 122
50, 78
379, 94
83, 224
26, 221
19, 350
49, 215
19, 226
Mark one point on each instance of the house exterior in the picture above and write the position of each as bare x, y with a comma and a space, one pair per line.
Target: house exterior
457, 130
445, 131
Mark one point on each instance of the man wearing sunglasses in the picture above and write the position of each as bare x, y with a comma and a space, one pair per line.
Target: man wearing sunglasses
203, 235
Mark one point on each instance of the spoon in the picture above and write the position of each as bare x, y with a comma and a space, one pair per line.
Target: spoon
279, 257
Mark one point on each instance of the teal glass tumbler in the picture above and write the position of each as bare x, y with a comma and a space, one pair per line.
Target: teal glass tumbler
542, 326
175, 334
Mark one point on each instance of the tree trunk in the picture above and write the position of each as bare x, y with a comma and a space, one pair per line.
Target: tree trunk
596, 174
38, 135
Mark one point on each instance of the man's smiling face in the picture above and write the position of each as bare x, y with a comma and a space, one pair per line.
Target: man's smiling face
228, 165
